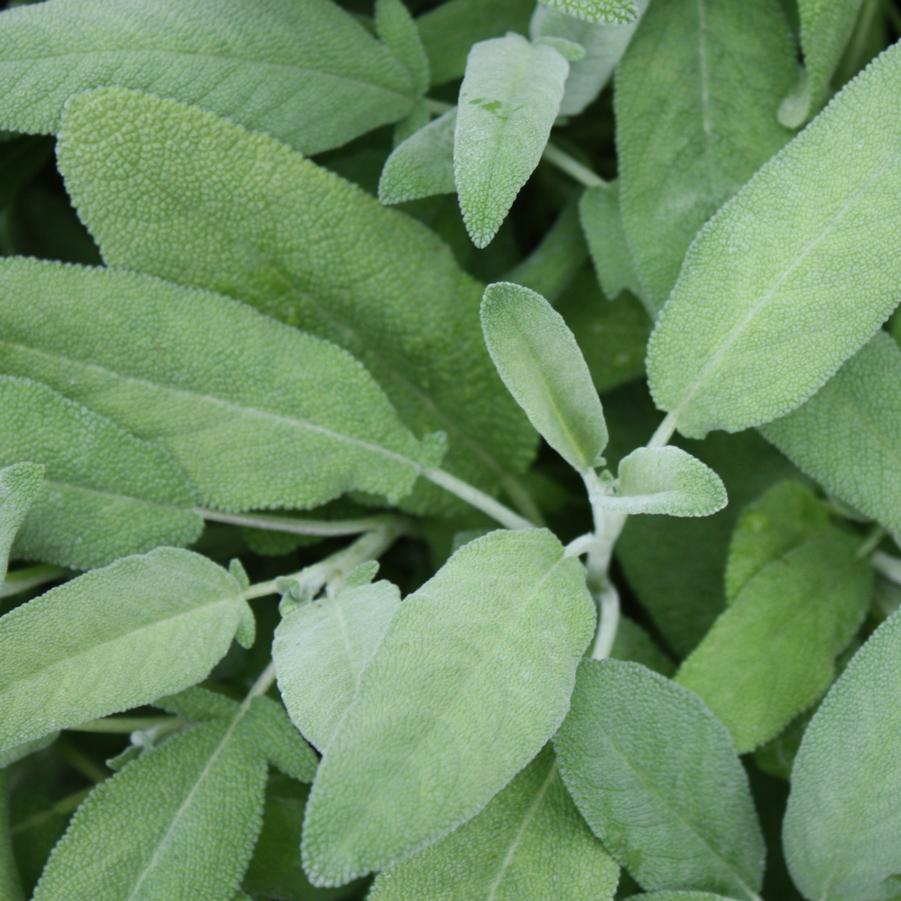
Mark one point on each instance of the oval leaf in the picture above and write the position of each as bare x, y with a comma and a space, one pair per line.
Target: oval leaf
423, 165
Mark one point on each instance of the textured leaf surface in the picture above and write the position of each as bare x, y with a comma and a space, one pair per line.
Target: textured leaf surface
509, 99
666, 480
848, 436
527, 843
321, 649
808, 241
395, 26
541, 364
596, 10
249, 218
656, 777
436, 732
114, 638
105, 493
679, 896
160, 360
423, 165
844, 811
772, 653
20, 484
302, 70
696, 100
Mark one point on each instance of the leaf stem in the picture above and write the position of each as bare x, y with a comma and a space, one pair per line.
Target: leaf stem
123, 725
478, 499
32, 577
664, 432
887, 566
572, 167
870, 543
609, 608
324, 528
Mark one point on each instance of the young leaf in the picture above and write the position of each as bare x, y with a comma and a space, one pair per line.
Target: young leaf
20, 485
395, 26
848, 434
423, 165
305, 71
610, 11
772, 653
843, 817
114, 638
160, 360
321, 649
666, 480
509, 98
473, 676
105, 493
251, 219
809, 240
696, 99
527, 843
542, 366
656, 777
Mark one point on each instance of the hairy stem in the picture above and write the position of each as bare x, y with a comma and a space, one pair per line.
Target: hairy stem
609, 607
291, 525
478, 499
124, 725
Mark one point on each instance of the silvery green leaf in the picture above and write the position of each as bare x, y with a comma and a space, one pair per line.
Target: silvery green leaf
527, 843
423, 165
509, 98
541, 364
20, 485
695, 101
302, 70
395, 26
114, 638
657, 779
611, 11
808, 240
843, 819
321, 649
511, 617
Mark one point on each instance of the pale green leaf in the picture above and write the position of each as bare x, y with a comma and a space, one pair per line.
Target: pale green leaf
772, 653
509, 98
541, 364
611, 11
794, 274
656, 777
529, 842
418, 118
19, 752
114, 638
844, 811
665, 480
302, 70
696, 99
472, 678
105, 492
423, 165
251, 219
20, 485
251, 429
320, 651
848, 435
395, 26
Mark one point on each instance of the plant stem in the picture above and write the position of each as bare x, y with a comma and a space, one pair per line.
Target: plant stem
296, 526
572, 167
609, 607
61, 808
887, 566
478, 499
871, 542
123, 725
10, 884
521, 498
33, 577
438, 107
664, 432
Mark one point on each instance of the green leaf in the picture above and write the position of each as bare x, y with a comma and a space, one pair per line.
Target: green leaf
105, 493
808, 240
509, 98
20, 485
656, 777
160, 360
395, 26
541, 364
251, 219
847, 435
772, 653
843, 820
423, 165
610, 11
696, 99
304, 70
632, 642
114, 638
472, 678
321, 649
527, 843
679, 896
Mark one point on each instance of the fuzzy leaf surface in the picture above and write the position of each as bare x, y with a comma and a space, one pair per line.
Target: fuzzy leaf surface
611, 11
20, 485
423, 165
434, 734
395, 26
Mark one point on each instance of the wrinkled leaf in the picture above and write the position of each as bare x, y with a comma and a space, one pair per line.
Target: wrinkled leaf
20, 484
611, 11
423, 165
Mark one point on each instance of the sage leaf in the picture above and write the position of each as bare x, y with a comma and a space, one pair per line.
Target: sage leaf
541, 364
114, 638
741, 340
772, 653
321, 649
696, 99
423, 165
160, 360
105, 492
395, 26
657, 779
513, 618
848, 435
679, 896
20, 484
616, 11
843, 816
251, 219
305, 72
528, 842
665, 480
509, 98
